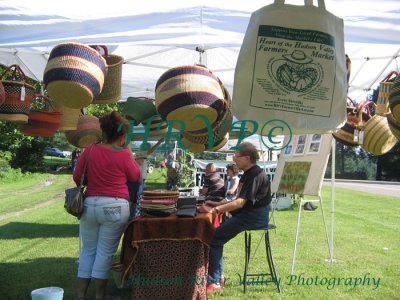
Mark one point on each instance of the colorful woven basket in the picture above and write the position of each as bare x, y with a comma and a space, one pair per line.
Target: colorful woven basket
74, 74
2, 93
378, 138
88, 131
394, 126
356, 119
69, 118
18, 95
394, 98
382, 104
185, 92
111, 92
220, 129
44, 121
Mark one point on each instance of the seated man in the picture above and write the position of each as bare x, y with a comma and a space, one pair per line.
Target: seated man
214, 186
249, 210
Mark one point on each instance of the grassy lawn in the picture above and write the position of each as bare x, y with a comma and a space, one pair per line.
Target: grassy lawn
39, 248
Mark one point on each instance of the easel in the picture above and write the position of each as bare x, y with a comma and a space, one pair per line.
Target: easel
302, 200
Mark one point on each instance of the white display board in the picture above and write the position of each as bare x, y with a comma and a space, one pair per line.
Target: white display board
302, 164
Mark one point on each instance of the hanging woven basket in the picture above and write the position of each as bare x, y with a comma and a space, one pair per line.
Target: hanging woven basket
357, 116
88, 131
382, 104
378, 138
394, 98
69, 118
185, 92
2, 93
42, 122
111, 92
18, 94
394, 126
74, 74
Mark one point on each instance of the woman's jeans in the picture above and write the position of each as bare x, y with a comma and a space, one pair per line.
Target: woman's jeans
245, 219
101, 227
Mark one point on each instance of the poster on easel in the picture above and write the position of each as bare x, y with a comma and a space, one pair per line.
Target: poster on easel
302, 164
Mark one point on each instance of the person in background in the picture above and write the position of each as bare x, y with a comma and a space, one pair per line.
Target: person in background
106, 207
232, 181
76, 153
249, 210
214, 186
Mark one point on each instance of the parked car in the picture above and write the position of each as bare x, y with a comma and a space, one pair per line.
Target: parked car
54, 152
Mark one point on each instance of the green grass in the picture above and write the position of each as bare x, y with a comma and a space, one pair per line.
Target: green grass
39, 248
157, 179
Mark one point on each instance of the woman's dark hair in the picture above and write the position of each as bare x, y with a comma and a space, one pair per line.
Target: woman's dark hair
234, 169
113, 126
248, 149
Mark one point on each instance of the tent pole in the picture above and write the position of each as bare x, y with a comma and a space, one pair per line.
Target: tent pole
333, 171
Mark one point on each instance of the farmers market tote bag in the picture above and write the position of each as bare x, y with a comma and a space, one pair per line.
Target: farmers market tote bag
291, 67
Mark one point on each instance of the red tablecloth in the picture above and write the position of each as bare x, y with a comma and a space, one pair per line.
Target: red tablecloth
167, 258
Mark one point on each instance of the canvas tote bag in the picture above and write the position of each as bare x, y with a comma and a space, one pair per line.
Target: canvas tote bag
292, 67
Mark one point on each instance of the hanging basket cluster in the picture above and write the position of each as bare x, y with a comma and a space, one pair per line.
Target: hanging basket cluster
376, 128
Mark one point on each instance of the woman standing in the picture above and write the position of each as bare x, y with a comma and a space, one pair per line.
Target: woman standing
106, 209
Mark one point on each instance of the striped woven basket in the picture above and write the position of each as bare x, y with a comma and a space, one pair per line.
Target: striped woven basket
44, 121
382, 104
378, 138
88, 131
197, 148
111, 91
394, 98
74, 74
157, 126
18, 95
220, 129
394, 126
69, 118
185, 92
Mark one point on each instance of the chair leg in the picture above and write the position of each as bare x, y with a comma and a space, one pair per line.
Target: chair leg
271, 262
247, 242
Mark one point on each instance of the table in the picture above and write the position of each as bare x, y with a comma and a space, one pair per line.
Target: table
167, 258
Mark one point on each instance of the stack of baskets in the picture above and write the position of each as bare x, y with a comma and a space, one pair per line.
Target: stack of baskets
159, 202
195, 97
394, 103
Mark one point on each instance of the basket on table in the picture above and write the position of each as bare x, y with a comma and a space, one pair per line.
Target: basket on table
43, 120
159, 202
382, 104
184, 92
18, 94
88, 131
74, 74
357, 116
111, 91
394, 98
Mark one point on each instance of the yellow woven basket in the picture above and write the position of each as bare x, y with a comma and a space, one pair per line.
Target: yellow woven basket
378, 138
74, 74
394, 126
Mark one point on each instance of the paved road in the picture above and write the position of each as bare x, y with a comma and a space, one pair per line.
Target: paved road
373, 187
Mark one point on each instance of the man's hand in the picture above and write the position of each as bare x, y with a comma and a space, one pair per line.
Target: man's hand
205, 209
211, 203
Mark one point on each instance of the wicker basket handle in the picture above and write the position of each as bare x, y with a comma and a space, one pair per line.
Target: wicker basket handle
360, 108
101, 48
16, 70
387, 78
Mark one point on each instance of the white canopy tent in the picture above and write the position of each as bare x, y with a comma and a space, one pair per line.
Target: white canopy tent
154, 36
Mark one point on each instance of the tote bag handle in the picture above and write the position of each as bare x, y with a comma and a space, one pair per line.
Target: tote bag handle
321, 3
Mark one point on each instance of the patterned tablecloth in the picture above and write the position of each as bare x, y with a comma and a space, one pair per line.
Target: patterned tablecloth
167, 258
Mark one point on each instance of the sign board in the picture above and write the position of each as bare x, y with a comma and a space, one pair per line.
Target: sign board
302, 164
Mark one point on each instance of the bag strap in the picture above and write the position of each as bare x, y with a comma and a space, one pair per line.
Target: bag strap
85, 166
321, 3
